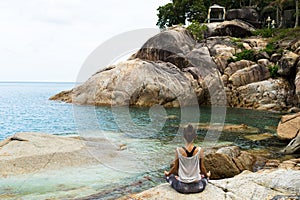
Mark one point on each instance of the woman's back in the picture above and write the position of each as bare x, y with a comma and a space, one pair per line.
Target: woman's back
189, 170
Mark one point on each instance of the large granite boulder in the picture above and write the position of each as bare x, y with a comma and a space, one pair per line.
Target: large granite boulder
263, 185
135, 82
234, 28
287, 63
176, 41
235, 66
254, 73
170, 69
271, 94
289, 126
228, 162
246, 14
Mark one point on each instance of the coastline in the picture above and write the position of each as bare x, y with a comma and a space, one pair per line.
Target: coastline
282, 183
53, 163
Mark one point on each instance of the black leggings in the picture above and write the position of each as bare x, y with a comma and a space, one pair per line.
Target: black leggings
186, 188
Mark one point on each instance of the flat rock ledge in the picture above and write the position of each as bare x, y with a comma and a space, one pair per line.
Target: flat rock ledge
29, 152
266, 184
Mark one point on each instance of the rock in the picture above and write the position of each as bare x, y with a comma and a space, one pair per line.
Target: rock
234, 28
293, 146
228, 162
287, 63
259, 137
247, 46
246, 14
295, 44
32, 152
289, 126
135, 82
293, 110
272, 164
275, 57
221, 62
262, 185
297, 82
174, 41
235, 66
270, 94
291, 164
154, 75
257, 44
255, 73
232, 128
264, 63
220, 44
261, 55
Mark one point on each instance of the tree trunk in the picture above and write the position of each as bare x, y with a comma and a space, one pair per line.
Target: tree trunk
281, 18
277, 15
297, 14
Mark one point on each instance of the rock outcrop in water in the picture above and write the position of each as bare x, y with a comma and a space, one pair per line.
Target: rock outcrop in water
172, 69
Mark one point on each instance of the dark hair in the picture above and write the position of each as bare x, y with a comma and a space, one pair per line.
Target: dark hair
189, 133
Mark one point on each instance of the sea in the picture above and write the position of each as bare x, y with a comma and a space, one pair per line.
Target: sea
25, 107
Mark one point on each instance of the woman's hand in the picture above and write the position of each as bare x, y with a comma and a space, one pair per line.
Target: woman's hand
208, 174
166, 173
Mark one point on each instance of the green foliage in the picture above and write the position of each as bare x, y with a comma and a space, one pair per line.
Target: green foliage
265, 33
180, 10
270, 48
245, 55
197, 30
169, 15
235, 40
273, 69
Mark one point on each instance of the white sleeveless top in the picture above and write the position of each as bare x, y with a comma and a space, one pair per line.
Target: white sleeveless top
189, 169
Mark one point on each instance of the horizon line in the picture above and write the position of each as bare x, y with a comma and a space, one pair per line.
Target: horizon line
39, 82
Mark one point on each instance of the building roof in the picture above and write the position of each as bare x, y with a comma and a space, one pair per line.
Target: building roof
216, 6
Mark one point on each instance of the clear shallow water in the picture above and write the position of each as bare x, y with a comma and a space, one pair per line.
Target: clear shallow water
148, 134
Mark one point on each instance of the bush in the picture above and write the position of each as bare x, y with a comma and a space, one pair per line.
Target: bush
197, 30
245, 55
270, 48
273, 69
265, 33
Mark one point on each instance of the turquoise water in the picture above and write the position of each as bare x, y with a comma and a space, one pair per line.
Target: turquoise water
25, 107
150, 135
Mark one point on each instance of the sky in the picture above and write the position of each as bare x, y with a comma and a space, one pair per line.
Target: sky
49, 40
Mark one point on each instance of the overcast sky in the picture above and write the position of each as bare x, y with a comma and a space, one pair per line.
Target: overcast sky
48, 40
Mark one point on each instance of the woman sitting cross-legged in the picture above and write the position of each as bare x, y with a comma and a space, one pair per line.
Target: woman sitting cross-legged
189, 163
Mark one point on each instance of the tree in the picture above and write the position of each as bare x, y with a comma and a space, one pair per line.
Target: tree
179, 11
297, 13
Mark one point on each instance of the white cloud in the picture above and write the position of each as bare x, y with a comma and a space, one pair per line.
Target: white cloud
48, 40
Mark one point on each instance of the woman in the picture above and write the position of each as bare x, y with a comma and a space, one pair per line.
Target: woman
189, 163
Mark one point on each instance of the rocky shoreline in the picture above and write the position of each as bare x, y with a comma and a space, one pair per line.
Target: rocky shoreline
273, 184
174, 70
29, 153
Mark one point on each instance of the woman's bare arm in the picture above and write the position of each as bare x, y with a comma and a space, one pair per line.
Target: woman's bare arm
174, 169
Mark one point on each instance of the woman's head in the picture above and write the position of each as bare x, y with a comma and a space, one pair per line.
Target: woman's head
189, 133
